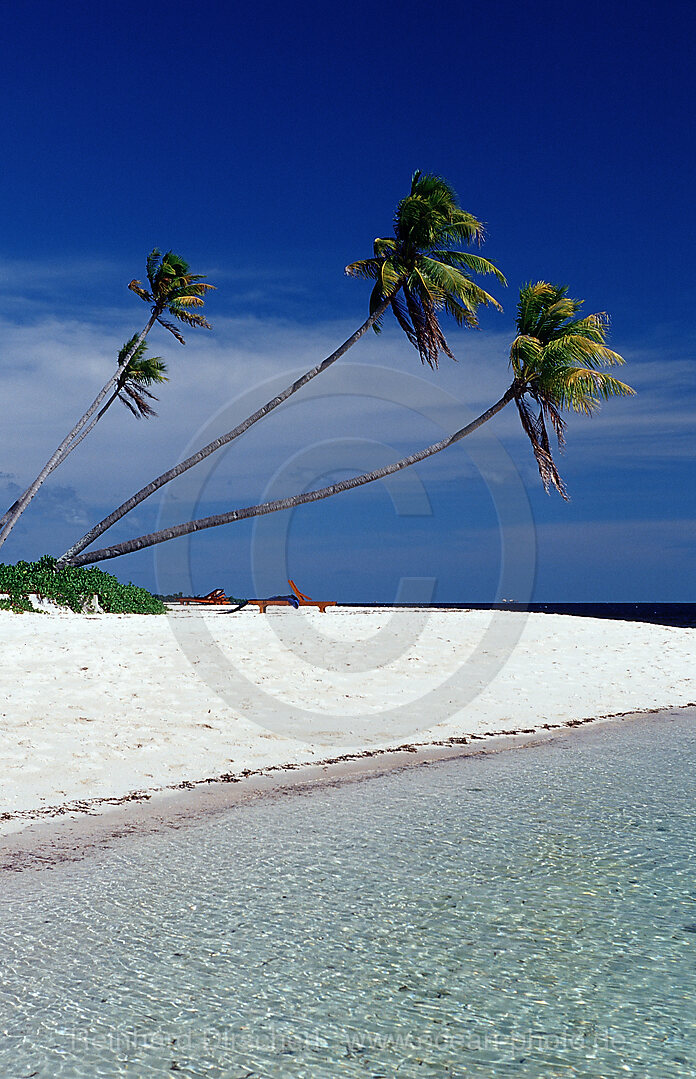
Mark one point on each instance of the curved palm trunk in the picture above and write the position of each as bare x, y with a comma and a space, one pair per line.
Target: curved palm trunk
296, 500
223, 440
8, 513
93, 423
73, 445
15, 512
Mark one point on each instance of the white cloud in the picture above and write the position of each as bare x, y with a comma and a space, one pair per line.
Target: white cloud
51, 368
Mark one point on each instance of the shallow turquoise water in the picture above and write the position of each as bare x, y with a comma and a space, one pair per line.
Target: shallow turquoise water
528, 914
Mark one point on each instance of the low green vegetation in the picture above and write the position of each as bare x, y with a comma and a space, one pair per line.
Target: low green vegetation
72, 587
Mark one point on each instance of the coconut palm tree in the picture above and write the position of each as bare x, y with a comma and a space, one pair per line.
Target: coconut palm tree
422, 261
174, 291
557, 362
131, 389
433, 276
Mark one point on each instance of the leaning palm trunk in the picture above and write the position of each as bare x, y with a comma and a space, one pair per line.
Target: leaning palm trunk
69, 449
78, 439
93, 423
414, 272
86, 430
73, 437
69, 557
296, 500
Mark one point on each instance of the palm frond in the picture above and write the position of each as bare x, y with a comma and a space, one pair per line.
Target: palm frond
462, 314
555, 315
189, 317
150, 371
532, 299
535, 430
402, 317
384, 246
422, 327
134, 397
426, 223
137, 355
578, 389
525, 356
421, 305
451, 281
594, 327
376, 298
553, 415
184, 299
141, 368
424, 286
462, 229
559, 362
174, 289
467, 259
137, 288
367, 269
428, 186
579, 348
445, 278
188, 287
172, 329
391, 276
140, 372
152, 263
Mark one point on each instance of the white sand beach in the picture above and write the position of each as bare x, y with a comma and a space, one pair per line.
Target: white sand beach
97, 707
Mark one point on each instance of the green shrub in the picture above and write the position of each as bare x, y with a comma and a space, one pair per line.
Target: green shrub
72, 586
19, 606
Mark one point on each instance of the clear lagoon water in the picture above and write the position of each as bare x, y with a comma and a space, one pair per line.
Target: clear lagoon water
527, 914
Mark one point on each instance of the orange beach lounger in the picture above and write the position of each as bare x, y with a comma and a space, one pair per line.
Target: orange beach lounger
216, 596
305, 601
301, 598
298, 599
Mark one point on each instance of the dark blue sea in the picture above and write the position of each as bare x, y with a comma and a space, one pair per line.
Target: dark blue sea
661, 614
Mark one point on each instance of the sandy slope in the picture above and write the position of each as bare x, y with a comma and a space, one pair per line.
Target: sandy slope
99, 706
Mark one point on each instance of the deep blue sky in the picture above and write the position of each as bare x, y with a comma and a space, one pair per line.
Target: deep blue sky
269, 148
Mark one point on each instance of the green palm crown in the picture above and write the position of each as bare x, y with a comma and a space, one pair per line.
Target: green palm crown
557, 360
141, 372
421, 273
173, 289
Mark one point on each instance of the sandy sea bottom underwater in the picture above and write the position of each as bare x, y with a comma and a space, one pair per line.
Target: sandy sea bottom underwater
529, 913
